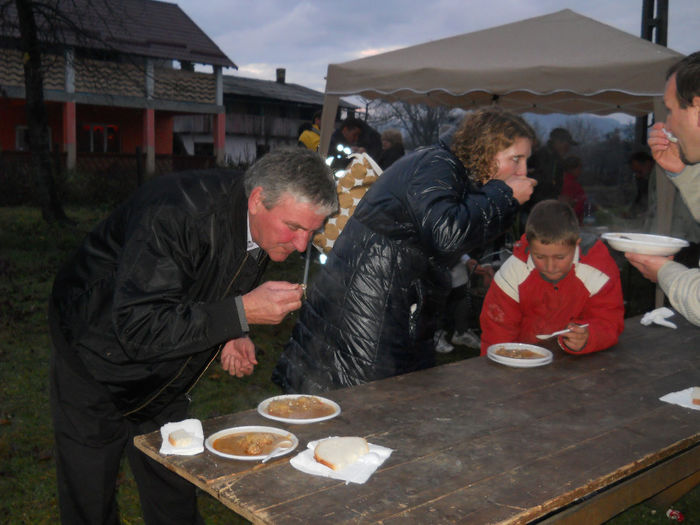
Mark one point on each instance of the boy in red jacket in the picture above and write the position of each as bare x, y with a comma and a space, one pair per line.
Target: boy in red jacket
553, 281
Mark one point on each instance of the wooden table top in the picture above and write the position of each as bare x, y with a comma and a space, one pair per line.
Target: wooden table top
475, 441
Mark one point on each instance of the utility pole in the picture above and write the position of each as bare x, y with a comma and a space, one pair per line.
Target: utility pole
654, 29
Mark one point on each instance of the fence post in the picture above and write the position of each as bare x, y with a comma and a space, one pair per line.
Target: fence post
139, 167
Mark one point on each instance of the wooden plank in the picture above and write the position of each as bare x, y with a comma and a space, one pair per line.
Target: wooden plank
603, 506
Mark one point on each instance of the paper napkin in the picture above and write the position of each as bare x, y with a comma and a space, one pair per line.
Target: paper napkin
682, 398
193, 426
659, 317
358, 472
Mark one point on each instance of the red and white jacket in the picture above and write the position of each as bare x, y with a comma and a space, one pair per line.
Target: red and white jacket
520, 303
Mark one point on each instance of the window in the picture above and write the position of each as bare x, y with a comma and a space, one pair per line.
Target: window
204, 149
22, 138
99, 138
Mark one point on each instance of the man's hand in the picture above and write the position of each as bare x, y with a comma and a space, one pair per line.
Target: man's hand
238, 357
577, 338
270, 302
522, 187
648, 265
665, 153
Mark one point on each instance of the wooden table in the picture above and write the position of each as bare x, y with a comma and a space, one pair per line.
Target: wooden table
576, 441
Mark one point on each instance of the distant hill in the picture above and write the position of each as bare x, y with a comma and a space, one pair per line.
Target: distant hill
543, 124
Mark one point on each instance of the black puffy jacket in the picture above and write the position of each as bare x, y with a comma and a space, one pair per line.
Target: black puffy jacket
372, 307
149, 297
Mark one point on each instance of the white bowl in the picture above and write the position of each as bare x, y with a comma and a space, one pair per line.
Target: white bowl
644, 243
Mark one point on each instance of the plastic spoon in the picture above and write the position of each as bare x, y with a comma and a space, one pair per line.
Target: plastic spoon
282, 445
554, 334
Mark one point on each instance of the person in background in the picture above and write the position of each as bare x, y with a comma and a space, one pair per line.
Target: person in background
158, 290
311, 136
459, 305
680, 158
572, 192
554, 280
642, 166
546, 166
392, 148
372, 308
347, 134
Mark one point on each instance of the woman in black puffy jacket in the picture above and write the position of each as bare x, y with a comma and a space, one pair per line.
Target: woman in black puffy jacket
372, 308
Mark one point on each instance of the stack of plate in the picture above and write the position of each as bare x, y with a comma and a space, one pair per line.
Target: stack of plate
519, 362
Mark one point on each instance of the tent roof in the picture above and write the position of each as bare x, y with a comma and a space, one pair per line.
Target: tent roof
557, 63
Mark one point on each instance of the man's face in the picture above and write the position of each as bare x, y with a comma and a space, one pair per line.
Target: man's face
553, 261
286, 227
683, 123
562, 147
513, 160
352, 135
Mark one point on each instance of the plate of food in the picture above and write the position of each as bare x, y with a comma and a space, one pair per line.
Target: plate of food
298, 409
251, 443
519, 355
644, 243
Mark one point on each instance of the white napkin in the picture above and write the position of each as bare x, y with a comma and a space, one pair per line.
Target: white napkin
658, 316
682, 398
358, 472
193, 426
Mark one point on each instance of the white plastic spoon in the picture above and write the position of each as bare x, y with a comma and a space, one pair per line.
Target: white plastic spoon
282, 445
554, 334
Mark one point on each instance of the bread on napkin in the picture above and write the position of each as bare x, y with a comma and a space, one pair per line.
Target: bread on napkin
339, 452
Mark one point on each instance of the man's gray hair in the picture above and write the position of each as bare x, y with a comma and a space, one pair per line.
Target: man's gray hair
297, 171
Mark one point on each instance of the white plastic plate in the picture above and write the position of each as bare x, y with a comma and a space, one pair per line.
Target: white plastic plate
262, 410
644, 243
519, 362
209, 442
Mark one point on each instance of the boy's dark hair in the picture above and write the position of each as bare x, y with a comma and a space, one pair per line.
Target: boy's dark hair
552, 222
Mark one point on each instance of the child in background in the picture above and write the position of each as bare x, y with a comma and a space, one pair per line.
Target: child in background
553, 281
571, 191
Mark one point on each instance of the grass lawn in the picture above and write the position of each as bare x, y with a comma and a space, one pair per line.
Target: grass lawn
30, 253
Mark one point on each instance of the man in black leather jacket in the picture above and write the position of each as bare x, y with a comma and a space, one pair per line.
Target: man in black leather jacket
152, 296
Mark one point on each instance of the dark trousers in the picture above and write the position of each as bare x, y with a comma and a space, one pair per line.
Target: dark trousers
91, 437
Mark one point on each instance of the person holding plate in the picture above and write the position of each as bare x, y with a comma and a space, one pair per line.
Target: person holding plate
675, 145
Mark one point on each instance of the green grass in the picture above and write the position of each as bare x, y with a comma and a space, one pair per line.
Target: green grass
30, 253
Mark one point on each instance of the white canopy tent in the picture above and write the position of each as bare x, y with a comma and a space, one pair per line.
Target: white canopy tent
557, 63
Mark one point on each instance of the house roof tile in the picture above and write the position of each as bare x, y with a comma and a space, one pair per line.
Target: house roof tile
270, 89
140, 27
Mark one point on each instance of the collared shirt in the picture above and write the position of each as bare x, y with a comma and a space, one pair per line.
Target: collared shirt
252, 245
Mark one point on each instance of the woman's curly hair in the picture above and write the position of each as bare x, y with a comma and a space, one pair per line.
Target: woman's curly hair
482, 134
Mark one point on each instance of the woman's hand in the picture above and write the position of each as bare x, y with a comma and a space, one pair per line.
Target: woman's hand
522, 187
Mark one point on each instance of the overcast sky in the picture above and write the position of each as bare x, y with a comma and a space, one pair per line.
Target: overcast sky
305, 36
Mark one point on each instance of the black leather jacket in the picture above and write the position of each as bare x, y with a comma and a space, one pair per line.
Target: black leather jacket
372, 307
149, 297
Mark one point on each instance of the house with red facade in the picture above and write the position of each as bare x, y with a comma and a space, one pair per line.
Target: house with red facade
114, 81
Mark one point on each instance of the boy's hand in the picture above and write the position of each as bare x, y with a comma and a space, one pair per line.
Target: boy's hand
577, 338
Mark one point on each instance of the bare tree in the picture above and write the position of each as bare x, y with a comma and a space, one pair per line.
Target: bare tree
420, 122
37, 120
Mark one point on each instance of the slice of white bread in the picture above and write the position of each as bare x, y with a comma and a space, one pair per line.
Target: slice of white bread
339, 452
180, 438
695, 395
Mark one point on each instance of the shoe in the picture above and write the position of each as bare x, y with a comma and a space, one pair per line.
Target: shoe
441, 344
468, 339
